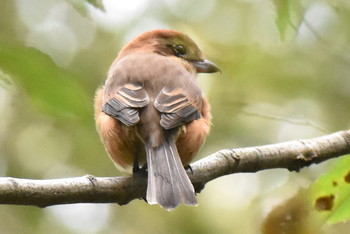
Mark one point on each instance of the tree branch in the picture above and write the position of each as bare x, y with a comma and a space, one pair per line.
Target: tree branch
291, 155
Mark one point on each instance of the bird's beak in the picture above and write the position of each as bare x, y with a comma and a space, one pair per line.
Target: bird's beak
205, 66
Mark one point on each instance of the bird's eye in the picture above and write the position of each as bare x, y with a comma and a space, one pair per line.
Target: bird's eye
179, 50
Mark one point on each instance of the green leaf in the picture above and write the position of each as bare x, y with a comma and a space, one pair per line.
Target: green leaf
97, 3
330, 194
283, 16
49, 87
81, 5
5, 79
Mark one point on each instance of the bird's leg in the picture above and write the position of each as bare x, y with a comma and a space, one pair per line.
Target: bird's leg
136, 167
189, 168
144, 168
137, 170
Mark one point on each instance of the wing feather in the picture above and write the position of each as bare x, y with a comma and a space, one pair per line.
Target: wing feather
124, 104
176, 109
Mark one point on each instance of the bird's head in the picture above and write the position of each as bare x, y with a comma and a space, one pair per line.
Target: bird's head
173, 44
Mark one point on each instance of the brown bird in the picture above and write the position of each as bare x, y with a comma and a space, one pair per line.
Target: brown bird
152, 112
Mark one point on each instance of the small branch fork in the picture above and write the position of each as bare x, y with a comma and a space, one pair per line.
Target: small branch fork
291, 155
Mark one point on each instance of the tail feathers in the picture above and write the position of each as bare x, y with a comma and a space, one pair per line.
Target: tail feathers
168, 183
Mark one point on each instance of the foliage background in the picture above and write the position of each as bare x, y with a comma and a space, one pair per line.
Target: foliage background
285, 76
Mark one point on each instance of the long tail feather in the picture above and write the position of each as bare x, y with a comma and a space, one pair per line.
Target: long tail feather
168, 183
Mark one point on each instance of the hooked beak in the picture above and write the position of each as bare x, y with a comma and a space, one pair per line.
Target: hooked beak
205, 66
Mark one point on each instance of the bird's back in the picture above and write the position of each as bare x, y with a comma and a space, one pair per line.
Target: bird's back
154, 73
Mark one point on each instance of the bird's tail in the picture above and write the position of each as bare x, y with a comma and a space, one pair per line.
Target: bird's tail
168, 183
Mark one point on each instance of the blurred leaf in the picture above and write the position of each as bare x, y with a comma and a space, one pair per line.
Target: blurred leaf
327, 200
97, 3
330, 194
5, 79
283, 16
81, 5
290, 217
49, 87
289, 15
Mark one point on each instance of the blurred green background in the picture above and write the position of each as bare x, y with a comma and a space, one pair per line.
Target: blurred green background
285, 76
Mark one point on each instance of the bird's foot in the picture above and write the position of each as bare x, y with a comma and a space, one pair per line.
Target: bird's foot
137, 170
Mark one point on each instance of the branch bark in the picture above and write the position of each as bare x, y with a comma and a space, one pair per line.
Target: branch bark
291, 155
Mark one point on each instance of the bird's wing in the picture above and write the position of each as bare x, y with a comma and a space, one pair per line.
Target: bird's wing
176, 108
124, 103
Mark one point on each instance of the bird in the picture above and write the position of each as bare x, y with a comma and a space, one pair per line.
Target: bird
151, 114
